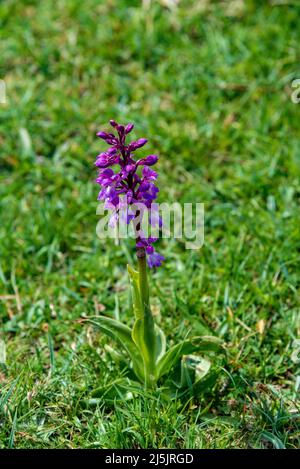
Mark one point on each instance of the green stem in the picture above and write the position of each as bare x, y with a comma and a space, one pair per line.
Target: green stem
143, 277
149, 331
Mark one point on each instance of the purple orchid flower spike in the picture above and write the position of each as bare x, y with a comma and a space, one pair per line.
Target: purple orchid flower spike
128, 183
129, 191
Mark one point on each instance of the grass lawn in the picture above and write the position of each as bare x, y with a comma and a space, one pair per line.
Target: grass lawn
209, 83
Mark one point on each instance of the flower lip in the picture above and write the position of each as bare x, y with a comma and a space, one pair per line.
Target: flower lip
145, 186
155, 259
150, 249
149, 174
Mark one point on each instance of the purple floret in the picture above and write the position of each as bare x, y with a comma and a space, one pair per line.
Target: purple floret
155, 259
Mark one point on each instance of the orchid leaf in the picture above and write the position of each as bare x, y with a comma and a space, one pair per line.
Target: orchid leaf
186, 347
160, 343
147, 349
122, 334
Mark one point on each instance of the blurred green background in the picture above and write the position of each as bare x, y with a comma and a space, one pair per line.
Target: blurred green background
209, 83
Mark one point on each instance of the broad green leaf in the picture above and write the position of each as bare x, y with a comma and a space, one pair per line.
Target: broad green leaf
149, 337
147, 350
160, 343
186, 347
122, 333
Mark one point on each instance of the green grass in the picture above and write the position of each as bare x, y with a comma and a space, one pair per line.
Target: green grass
209, 84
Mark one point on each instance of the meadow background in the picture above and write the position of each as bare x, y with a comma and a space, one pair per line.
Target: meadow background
209, 83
